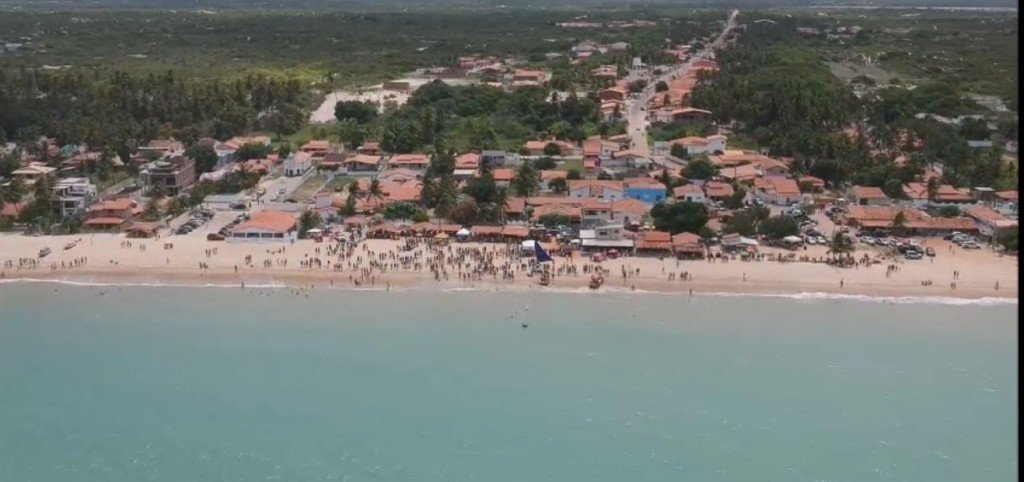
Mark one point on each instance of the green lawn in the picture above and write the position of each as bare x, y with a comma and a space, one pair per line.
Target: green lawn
337, 184
571, 164
309, 187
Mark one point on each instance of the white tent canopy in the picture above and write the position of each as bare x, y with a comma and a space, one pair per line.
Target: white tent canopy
792, 239
462, 232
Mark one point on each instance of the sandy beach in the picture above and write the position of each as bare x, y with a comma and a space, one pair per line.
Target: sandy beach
107, 258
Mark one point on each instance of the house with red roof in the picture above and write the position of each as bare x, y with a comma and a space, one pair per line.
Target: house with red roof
779, 191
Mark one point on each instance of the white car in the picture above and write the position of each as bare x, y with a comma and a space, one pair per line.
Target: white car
811, 240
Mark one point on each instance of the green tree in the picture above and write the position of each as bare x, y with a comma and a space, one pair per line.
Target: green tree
778, 227
205, 157
558, 185
679, 217
700, 168
899, 224
544, 163
401, 210
349, 209
661, 86
1007, 238
552, 149
310, 219
525, 182
840, 245
399, 137
152, 210
465, 212
251, 150
680, 151
360, 112
374, 191
447, 196
933, 189
573, 175
286, 119
735, 201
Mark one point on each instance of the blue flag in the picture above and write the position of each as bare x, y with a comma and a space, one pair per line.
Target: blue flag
542, 256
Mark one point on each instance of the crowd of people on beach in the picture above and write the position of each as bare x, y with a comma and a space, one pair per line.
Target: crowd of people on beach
371, 263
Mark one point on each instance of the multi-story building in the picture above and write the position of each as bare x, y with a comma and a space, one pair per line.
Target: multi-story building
174, 175
72, 196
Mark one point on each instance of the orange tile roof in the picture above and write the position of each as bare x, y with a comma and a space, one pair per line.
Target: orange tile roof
515, 205
869, 192
516, 231
643, 183
551, 174
989, 216
119, 204
629, 206
945, 192
409, 159
596, 187
469, 160
1007, 195
716, 189
556, 209
363, 159
783, 186
503, 174
268, 220
680, 191
690, 141
105, 221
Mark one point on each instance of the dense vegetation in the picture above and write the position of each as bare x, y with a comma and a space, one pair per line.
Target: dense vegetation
962, 51
776, 90
325, 47
124, 110
475, 117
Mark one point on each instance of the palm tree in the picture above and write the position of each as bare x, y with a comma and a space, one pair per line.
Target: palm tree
375, 192
840, 245
933, 189
899, 223
501, 202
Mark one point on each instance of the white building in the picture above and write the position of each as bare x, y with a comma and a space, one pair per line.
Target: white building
604, 237
72, 196
297, 164
689, 193
591, 188
703, 145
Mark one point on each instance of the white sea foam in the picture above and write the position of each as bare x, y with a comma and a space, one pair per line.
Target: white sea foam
582, 290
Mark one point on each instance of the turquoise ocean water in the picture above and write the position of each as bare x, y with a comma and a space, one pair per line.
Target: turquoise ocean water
217, 384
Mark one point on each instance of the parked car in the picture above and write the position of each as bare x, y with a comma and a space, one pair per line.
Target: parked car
237, 206
215, 237
913, 254
971, 245
930, 251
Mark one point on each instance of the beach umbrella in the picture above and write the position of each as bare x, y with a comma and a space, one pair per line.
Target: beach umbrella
441, 236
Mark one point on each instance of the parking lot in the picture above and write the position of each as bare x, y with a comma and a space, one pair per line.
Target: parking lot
213, 224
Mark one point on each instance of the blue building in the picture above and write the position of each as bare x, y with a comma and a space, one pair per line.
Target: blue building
647, 191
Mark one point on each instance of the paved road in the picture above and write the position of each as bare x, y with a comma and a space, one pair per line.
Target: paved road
637, 116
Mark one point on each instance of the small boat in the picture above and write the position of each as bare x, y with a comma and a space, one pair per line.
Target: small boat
596, 280
44, 252
545, 279
70, 245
